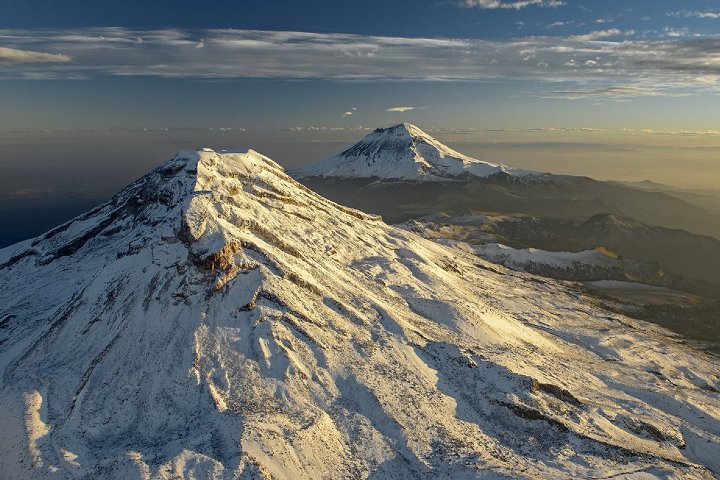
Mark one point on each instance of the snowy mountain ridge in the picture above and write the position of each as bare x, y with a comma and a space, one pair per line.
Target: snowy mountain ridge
216, 319
404, 152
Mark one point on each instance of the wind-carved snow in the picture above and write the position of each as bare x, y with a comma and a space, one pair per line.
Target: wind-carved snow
216, 319
404, 152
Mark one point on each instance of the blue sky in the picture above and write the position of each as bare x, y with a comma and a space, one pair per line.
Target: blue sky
434, 18
522, 51
312, 76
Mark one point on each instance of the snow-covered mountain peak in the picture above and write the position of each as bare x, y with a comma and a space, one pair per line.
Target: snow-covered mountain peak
206, 200
216, 319
407, 130
209, 164
404, 152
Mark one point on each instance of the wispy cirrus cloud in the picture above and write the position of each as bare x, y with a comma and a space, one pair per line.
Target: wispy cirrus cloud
608, 62
620, 91
517, 5
14, 55
560, 24
400, 109
712, 15
465, 131
597, 35
681, 133
326, 128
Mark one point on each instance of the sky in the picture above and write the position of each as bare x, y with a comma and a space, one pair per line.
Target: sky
95, 93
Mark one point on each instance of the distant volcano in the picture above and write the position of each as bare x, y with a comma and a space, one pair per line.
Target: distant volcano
404, 152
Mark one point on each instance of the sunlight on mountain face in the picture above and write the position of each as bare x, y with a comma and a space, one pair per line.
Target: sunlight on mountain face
487, 245
215, 303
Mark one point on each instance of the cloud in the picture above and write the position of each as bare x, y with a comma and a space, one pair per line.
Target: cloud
597, 35
517, 130
694, 13
400, 109
567, 129
676, 32
620, 91
13, 55
361, 128
560, 24
349, 112
517, 5
708, 79
325, 128
596, 61
682, 133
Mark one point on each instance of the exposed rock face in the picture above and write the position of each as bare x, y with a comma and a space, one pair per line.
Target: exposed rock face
218, 320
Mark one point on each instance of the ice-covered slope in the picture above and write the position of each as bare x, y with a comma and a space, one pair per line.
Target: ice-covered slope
404, 152
218, 320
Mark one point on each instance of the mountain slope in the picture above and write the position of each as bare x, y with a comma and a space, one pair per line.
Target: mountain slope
404, 152
678, 252
586, 265
216, 319
708, 200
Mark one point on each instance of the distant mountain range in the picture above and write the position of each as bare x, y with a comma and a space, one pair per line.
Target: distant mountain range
568, 250
707, 199
402, 173
666, 276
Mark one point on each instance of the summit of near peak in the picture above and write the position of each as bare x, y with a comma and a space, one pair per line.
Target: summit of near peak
203, 198
206, 160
